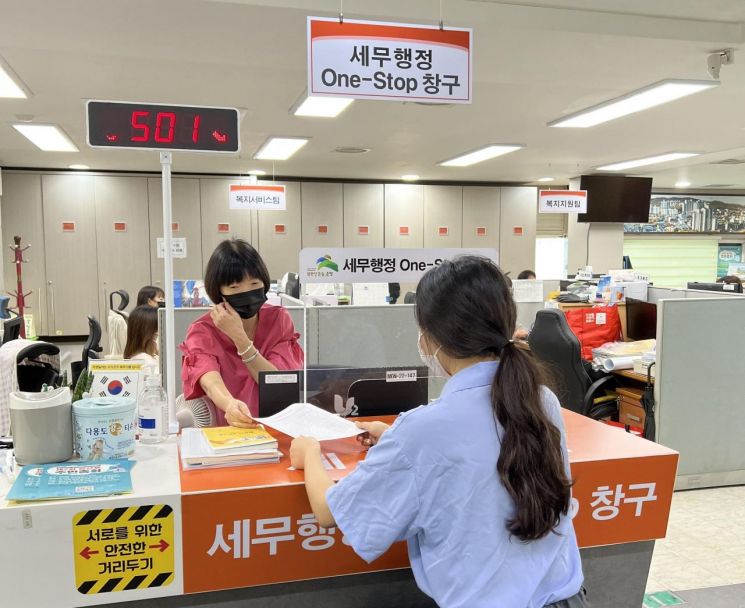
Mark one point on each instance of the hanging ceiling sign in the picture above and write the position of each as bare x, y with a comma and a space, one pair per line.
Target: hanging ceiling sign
375, 60
113, 124
562, 201
266, 198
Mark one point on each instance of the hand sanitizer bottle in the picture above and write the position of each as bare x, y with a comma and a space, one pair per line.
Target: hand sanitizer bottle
152, 414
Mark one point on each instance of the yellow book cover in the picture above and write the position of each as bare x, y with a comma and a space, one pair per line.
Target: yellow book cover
230, 438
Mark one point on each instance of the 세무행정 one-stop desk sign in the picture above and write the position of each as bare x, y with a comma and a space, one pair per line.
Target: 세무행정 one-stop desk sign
113, 124
374, 60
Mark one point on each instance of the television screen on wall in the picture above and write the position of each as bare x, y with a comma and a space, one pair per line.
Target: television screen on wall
694, 213
616, 198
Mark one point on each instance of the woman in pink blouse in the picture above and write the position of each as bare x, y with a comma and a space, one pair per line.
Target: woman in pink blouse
242, 335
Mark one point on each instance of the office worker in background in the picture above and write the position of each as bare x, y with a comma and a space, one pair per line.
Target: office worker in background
151, 296
730, 280
142, 335
477, 482
526, 275
242, 335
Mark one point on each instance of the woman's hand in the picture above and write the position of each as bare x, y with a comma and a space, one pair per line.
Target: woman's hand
373, 431
228, 322
301, 448
237, 414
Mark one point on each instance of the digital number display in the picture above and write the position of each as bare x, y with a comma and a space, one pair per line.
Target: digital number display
114, 124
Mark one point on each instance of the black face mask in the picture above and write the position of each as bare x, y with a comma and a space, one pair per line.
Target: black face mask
161, 304
247, 303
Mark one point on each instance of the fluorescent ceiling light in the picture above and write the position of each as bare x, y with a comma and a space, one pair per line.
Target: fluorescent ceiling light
49, 138
79, 167
280, 148
410, 177
636, 101
649, 160
322, 107
9, 87
257, 172
480, 155
546, 179
682, 184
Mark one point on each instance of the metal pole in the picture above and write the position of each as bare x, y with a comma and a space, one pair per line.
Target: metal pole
165, 165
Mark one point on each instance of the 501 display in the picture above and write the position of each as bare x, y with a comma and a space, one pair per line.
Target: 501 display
113, 124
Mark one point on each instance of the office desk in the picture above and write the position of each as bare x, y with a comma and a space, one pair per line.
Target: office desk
251, 526
632, 375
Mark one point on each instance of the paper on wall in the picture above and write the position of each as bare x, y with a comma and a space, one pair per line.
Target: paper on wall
527, 290
311, 421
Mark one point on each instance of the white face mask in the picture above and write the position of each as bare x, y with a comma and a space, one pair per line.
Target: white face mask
431, 361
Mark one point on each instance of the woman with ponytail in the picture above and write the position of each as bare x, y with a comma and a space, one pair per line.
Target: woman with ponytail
477, 481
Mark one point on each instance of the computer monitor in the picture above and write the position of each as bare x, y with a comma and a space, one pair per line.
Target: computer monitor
12, 329
346, 391
725, 287
641, 320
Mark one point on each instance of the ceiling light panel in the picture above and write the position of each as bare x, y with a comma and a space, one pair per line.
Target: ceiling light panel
49, 138
649, 160
323, 107
656, 94
480, 155
9, 85
280, 148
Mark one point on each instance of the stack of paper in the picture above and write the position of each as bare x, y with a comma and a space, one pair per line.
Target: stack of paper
227, 446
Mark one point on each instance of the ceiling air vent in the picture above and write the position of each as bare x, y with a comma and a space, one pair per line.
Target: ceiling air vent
351, 150
730, 161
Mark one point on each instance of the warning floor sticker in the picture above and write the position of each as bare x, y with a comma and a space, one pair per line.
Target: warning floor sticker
123, 549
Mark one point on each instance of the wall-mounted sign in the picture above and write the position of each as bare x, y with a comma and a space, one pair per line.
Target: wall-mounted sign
729, 253
363, 230
367, 265
403, 231
175, 227
562, 201
263, 198
178, 246
376, 60
279, 229
120, 226
443, 231
518, 231
113, 124
223, 227
481, 231
68, 227
323, 229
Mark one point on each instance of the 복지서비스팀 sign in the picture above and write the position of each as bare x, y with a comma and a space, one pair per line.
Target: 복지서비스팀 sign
394, 61
368, 265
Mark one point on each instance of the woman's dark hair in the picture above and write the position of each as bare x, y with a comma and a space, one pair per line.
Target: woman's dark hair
142, 325
730, 279
231, 262
526, 274
149, 292
466, 307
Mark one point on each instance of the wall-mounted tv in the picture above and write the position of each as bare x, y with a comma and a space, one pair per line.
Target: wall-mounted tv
616, 198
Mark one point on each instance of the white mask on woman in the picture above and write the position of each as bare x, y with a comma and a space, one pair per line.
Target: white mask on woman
431, 361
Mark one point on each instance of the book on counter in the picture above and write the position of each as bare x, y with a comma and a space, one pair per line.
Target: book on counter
72, 480
226, 447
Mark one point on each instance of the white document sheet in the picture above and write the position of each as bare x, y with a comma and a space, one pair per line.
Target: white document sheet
311, 421
527, 290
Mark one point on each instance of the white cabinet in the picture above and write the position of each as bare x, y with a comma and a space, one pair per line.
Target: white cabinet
363, 215
404, 215
481, 216
322, 214
279, 235
517, 229
443, 216
219, 221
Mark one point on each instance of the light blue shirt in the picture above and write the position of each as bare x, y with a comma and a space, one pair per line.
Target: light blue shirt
432, 480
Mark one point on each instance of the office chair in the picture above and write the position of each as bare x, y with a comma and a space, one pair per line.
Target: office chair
410, 298
553, 343
92, 346
33, 373
293, 285
123, 302
12, 329
4, 312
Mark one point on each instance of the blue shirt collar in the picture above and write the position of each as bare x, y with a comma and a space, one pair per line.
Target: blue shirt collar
480, 374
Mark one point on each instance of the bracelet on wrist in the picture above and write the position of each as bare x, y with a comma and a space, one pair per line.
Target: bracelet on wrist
252, 357
248, 349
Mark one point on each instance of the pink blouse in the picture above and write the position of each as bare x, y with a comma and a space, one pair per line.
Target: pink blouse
207, 349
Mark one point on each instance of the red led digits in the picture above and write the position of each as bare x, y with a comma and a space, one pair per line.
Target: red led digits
159, 118
145, 128
195, 129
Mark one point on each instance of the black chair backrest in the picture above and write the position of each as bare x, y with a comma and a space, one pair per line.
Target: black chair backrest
293, 286
410, 298
31, 378
553, 343
12, 329
124, 300
92, 345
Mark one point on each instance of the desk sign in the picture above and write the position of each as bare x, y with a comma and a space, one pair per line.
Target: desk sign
562, 201
261, 198
123, 549
394, 61
367, 265
113, 124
